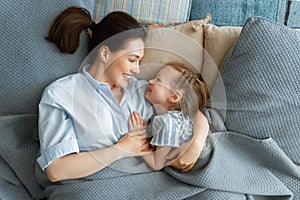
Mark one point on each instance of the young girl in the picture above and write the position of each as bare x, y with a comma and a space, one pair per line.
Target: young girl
177, 93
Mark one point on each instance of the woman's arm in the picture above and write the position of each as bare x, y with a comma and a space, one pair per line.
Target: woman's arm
190, 152
82, 164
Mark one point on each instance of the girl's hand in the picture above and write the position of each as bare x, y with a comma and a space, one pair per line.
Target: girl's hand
184, 157
136, 122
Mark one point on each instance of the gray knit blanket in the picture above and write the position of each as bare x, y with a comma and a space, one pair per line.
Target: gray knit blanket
231, 166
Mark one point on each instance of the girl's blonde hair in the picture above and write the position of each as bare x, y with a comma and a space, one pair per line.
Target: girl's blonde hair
195, 92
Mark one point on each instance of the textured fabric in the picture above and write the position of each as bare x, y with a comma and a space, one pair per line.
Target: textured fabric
231, 166
145, 11
261, 78
28, 61
65, 109
18, 150
171, 129
294, 14
10, 186
235, 12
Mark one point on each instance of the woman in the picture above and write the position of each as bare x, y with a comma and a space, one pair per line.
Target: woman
83, 117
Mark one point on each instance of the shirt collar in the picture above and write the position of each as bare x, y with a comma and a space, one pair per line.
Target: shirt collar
95, 84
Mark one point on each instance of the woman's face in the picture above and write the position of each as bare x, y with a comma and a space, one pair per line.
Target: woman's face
160, 88
124, 64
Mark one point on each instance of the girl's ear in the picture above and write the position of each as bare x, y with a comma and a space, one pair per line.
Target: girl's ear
104, 53
175, 97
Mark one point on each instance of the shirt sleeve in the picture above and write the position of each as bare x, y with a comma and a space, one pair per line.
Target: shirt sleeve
56, 133
165, 132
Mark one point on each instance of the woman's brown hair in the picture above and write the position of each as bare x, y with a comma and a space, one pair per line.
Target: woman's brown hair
195, 90
67, 26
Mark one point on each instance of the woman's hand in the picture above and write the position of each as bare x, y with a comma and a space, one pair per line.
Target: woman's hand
134, 143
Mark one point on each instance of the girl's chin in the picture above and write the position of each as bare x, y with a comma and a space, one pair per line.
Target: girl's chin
147, 96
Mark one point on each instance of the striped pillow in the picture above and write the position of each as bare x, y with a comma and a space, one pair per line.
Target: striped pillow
147, 11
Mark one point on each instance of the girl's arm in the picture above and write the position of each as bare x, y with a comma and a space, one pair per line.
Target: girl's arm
157, 159
82, 164
190, 152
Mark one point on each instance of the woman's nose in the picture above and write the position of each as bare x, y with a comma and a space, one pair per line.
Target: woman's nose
136, 70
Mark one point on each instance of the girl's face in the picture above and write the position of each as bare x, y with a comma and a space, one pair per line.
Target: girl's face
124, 64
159, 90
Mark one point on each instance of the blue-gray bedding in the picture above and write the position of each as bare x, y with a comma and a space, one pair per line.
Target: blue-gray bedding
232, 166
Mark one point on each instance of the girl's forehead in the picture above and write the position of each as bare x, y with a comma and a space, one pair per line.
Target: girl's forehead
168, 72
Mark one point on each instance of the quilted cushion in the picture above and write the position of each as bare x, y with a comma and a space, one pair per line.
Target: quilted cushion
294, 14
155, 11
28, 61
261, 77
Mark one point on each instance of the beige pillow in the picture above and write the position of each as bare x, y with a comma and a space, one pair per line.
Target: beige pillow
217, 42
183, 43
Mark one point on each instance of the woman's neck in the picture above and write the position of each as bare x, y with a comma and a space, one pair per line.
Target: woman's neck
97, 72
117, 92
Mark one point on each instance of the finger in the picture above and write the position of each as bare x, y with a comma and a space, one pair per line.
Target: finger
133, 118
189, 167
137, 117
130, 125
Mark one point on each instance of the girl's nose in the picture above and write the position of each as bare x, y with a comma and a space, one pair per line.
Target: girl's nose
151, 81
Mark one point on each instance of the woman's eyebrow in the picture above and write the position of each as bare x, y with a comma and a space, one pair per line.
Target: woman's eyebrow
134, 55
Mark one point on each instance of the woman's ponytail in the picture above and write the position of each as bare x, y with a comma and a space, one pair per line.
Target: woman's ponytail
67, 27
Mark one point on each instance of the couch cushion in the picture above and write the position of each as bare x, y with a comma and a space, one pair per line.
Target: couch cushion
217, 42
157, 11
182, 42
294, 14
261, 77
28, 61
235, 12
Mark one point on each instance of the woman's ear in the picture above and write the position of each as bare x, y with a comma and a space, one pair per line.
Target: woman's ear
104, 53
175, 97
